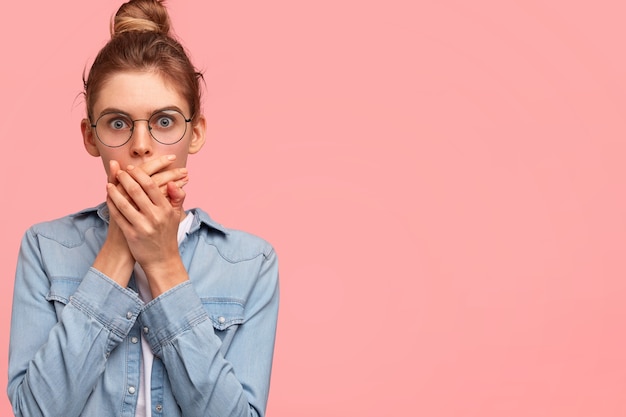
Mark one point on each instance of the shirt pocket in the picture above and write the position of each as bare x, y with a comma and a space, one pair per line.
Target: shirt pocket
61, 289
226, 315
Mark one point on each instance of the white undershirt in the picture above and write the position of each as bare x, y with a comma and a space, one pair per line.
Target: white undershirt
145, 373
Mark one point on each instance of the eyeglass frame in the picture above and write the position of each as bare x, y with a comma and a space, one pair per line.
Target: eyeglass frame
132, 128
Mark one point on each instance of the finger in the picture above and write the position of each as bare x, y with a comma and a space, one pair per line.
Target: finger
141, 188
114, 167
182, 182
115, 217
175, 174
121, 211
136, 195
155, 165
157, 169
176, 195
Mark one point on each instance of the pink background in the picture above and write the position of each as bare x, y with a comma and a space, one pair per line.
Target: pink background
443, 182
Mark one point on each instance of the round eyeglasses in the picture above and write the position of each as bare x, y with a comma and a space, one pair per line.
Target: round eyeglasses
165, 126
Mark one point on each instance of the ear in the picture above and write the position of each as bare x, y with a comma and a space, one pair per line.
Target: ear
89, 138
198, 135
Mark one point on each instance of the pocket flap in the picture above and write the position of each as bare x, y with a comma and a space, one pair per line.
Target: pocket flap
224, 312
62, 288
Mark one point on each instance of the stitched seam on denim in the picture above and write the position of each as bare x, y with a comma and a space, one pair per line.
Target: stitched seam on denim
167, 294
55, 296
194, 320
223, 300
90, 313
231, 318
190, 324
94, 314
65, 243
233, 261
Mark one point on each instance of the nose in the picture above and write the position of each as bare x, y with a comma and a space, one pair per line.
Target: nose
141, 140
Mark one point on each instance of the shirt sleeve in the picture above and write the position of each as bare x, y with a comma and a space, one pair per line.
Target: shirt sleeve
53, 358
204, 381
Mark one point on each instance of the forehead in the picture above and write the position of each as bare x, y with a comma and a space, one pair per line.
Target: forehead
138, 94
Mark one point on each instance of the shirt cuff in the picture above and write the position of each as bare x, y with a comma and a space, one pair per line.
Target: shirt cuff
171, 314
102, 299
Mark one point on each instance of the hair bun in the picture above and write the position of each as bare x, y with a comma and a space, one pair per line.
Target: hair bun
141, 16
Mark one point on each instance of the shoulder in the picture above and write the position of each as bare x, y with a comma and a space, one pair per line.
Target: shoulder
233, 245
70, 230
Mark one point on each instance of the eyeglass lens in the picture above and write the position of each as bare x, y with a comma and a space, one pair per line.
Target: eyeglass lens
166, 126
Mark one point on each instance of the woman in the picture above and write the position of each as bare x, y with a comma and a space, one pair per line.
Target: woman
138, 307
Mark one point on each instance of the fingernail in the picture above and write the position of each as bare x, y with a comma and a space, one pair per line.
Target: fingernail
183, 170
130, 167
171, 157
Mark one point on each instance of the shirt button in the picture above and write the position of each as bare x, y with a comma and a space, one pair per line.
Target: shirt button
129, 315
222, 320
159, 408
131, 390
134, 339
146, 330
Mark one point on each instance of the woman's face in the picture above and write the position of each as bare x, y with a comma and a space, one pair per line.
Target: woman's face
139, 95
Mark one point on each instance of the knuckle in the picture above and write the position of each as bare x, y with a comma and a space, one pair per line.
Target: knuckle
133, 188
150, 186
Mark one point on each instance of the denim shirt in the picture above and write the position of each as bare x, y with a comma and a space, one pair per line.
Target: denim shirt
75, 347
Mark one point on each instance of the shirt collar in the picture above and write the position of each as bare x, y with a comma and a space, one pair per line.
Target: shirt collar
200, 217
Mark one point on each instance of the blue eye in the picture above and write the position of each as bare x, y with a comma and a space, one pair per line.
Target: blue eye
165, 121
118, 124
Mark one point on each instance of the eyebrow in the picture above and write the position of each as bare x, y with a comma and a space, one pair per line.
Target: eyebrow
117, 110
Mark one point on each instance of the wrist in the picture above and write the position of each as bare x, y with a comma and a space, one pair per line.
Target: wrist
115, 262
164, 276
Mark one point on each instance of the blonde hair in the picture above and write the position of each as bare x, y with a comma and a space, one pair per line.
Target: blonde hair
141, 40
